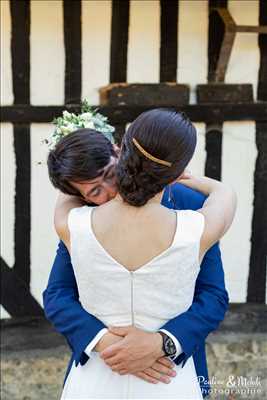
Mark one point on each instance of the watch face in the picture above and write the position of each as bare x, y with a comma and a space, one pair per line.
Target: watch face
170, 348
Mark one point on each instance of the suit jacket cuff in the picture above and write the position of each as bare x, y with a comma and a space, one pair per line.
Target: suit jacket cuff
93, 342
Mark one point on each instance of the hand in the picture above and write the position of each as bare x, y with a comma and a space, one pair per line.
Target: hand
107, 340
161, 371
137, 351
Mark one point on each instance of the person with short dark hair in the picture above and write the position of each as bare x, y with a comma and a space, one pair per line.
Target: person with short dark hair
130, 233
83, 156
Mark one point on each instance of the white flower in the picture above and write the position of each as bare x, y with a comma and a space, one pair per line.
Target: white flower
89, 119
66, 114
89, 125
65, 130
86, 116
71, 127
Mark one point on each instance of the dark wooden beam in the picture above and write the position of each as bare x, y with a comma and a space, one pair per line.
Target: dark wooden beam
258, 256
168, 40
213, 138
197, 113
144, 94
213, 145
251, 29
16, 297
216, 34
224, 93
262, 40
230, 31
20, 49
73, 50
219, 93
22, 202
124, 114
119, 41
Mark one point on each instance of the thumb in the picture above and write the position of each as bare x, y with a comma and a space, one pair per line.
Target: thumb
119, 330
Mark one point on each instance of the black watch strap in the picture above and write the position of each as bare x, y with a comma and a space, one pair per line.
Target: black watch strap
168, 345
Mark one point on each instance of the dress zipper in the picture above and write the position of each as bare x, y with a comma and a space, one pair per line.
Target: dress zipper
132, 308
132, 321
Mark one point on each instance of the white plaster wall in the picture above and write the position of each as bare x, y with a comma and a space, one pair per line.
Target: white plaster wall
43, 197
7, 197
4, 313
239, 156
144, 42
197, 164
239, 153
96, 33
47, 55
7, 150
244, 61
5, 59
7, 193
47, 87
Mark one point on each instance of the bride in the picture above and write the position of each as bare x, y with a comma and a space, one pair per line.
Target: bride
135, 261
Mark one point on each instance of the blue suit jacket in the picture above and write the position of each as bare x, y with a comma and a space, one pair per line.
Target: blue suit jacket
63, 309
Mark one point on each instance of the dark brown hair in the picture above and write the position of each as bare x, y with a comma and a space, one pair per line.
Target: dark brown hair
78, 157
165, 134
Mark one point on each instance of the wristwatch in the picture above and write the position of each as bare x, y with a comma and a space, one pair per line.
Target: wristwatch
168, 345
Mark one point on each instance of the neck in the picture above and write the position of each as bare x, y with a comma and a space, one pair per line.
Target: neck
155, 200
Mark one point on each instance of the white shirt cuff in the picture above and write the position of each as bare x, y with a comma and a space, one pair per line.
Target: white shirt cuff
96, 339
176, 342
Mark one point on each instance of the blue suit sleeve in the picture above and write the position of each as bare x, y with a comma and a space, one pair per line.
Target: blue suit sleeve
210, 301
63, 309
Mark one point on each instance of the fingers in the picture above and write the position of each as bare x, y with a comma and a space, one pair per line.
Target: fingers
163, 370
110, 351
120, 331
112, 361
165, 361
145, 377
155, 376
120, 370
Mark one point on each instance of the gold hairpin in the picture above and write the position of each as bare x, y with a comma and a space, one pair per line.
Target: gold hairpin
149, 156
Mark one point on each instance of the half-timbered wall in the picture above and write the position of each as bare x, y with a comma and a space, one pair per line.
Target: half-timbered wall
56, 52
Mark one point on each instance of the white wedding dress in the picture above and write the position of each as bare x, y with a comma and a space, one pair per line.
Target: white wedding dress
146, 298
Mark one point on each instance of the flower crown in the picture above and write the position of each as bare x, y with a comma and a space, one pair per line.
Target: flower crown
88, 118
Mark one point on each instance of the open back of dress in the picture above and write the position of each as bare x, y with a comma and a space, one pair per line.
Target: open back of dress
146, 298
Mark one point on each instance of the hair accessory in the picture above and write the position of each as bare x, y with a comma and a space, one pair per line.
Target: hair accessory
88, 118
149, 156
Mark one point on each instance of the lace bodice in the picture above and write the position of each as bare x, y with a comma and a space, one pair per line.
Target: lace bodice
148, 297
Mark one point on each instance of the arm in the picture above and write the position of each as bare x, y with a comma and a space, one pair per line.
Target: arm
65, 203
218, 208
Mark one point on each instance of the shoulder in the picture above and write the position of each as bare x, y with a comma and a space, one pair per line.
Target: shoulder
76, 214
191, 224
81, 210
183, 198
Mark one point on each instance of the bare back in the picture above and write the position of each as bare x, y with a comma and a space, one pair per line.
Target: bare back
134, 236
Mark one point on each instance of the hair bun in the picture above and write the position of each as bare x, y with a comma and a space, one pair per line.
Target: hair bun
164, 135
